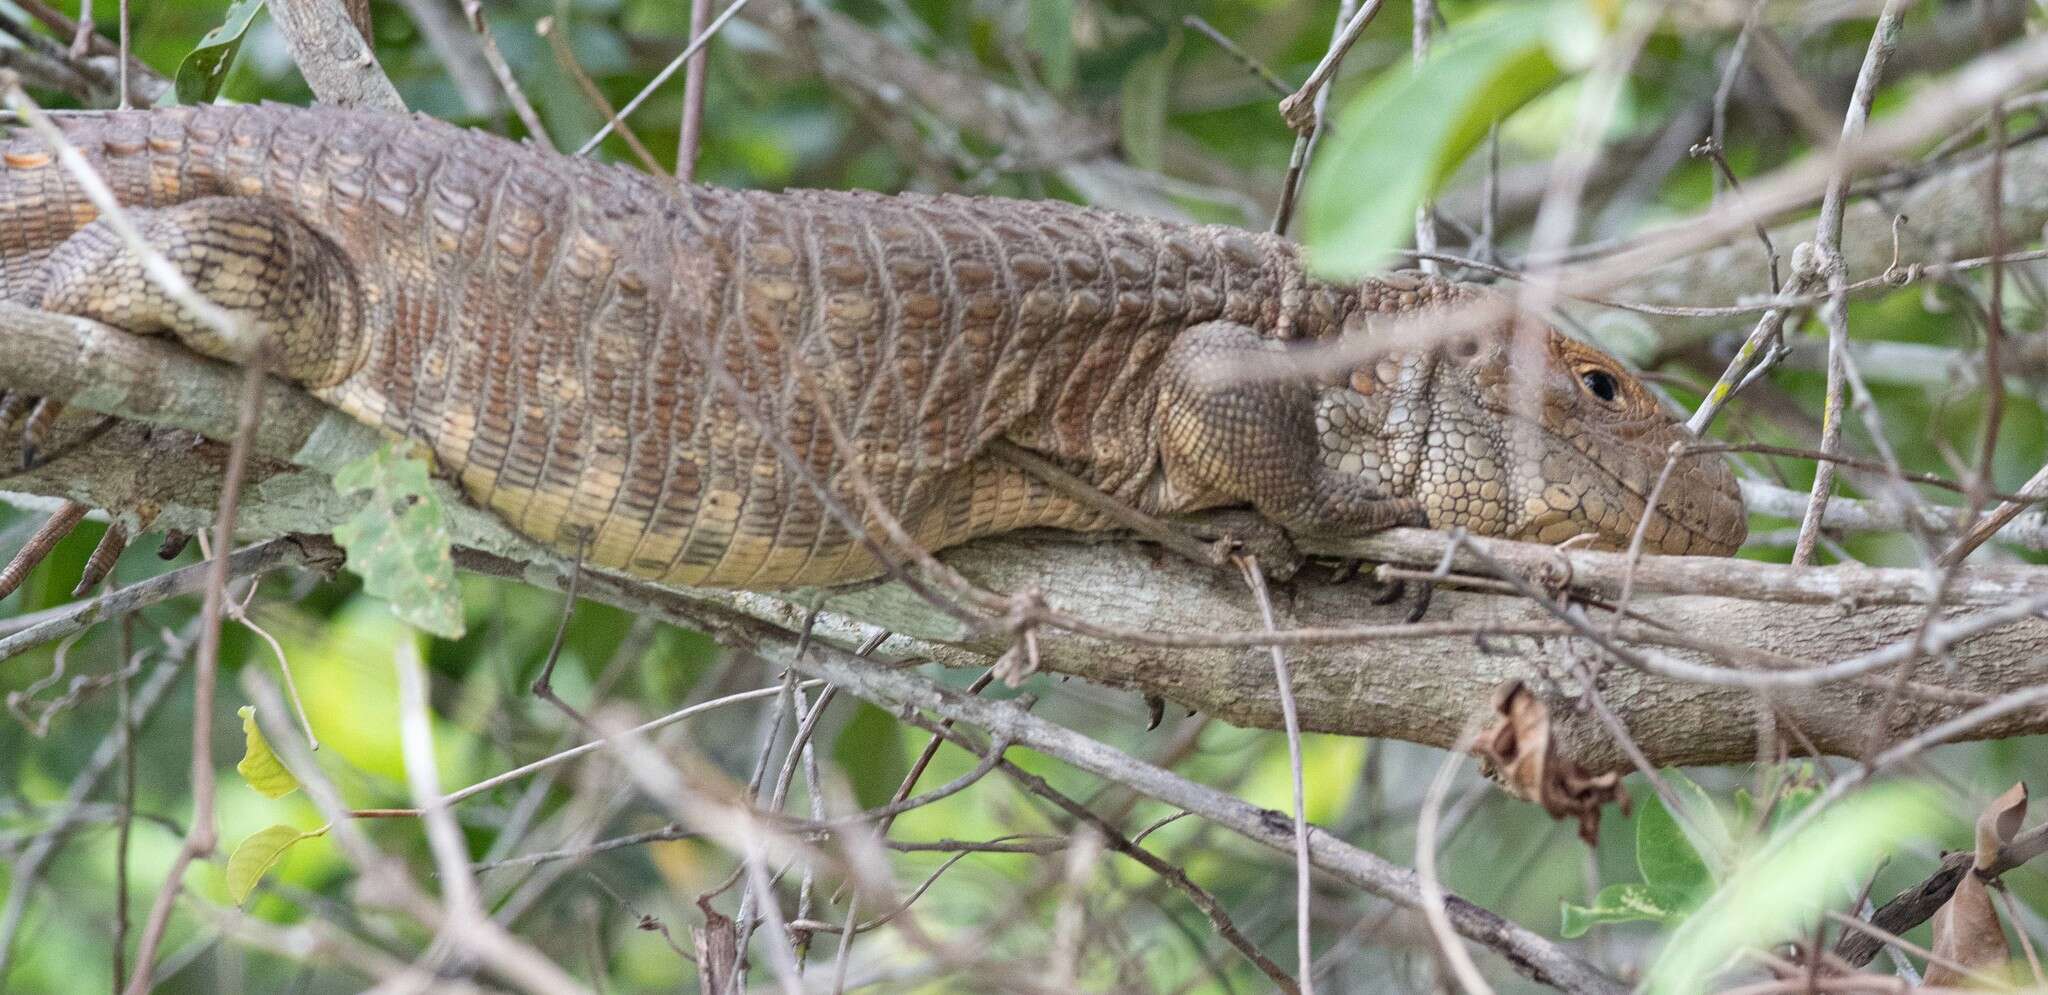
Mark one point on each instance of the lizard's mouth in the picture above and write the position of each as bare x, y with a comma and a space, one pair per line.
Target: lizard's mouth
1698, 509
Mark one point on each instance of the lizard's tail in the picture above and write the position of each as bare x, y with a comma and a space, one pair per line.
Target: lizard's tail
43, 203
40, 207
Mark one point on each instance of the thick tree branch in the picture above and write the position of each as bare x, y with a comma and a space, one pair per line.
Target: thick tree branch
1420, 683
328, 42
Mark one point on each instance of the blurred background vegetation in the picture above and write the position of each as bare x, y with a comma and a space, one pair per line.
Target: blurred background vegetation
1129, 83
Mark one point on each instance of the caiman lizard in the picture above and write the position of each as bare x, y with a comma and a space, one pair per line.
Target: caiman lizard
555, 330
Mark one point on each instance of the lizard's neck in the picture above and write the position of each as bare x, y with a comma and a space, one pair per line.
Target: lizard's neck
1310, 307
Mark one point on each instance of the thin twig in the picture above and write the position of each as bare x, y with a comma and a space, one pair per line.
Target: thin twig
1827, 239
124, 601
1304, 916
1315, 95
203, 835
566, 58
35, 857
1244, 58
695, 45
1431, 888
124, 698
689, 142
473, 10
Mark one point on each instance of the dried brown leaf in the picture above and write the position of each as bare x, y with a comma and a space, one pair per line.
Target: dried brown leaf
717, 943
1517, 751
1969, 939
1968, 935
1999, 823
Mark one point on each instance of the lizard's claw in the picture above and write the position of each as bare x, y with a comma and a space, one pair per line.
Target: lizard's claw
35, 415
1385, 591
102, 561
13, 405
1419, 605
35, 432
173, 545
39, 546
59, 525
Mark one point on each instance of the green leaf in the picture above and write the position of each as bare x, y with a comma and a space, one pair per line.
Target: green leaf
870, 750
256, 855
260, 767
1788, 792
1778, 895
398, 541
203, 71
1050, 34
1394, 144
1706, 828
1667, 858
1629, 901
1794, 798
1147, 87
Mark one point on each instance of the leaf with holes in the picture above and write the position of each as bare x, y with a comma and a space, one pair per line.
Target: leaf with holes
1675, 879
260, 767
203, 71
257, 854
1629, 901
398, 541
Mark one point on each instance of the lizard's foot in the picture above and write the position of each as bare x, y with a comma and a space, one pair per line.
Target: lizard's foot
1269, 544
1229, 434
278, 285
1385, 590
1242, 533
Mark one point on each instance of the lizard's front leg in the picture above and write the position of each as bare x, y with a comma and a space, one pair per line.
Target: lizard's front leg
289, 290
1224, 438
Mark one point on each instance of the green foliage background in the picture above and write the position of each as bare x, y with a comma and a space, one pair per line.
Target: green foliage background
770, 123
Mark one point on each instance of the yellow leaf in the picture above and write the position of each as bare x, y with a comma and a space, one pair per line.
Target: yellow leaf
260, 767
256, 855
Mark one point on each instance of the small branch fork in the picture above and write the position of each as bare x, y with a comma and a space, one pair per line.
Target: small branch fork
1827, 239
1305, 109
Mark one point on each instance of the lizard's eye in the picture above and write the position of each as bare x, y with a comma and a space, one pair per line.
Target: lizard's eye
1600, 383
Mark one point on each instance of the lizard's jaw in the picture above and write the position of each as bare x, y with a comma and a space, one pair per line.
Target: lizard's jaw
1481, 467
1697, 511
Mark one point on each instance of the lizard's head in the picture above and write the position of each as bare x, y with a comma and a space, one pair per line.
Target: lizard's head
1540, 439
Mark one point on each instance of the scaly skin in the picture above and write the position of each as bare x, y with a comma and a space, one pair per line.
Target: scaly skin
568, 337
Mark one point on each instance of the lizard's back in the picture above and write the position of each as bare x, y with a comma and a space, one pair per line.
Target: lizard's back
643, 374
